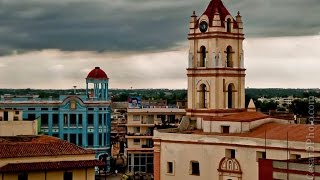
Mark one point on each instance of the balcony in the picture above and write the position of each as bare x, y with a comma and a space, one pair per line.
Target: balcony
144, 147
146, 135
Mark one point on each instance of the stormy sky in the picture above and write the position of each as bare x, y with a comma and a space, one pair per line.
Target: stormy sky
142, 43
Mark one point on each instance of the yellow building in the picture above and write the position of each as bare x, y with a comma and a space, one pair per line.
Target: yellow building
12, 124
45, 158
140, 126
219, 138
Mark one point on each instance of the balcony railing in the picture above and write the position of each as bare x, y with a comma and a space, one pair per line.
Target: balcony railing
140, 134
147, 146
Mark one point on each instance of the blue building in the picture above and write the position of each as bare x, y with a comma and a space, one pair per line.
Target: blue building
80, 119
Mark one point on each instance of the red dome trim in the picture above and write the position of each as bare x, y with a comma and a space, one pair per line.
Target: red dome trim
97, 73
217, 6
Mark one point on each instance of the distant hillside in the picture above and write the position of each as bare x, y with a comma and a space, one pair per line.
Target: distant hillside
170, 94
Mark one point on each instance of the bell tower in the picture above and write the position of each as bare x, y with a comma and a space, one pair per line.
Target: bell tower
216, 73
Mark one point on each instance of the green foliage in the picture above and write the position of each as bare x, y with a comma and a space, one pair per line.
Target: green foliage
266, 106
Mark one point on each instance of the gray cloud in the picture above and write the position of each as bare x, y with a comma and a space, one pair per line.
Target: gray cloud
268, 64
127, 25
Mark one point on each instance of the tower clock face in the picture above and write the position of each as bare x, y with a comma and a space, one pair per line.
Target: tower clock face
203, 26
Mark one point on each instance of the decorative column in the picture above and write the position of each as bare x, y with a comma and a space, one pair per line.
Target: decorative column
87, 90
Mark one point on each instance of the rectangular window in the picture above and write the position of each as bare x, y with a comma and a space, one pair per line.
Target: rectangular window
194, 168
170, 167
230, 153
136, 141
67, 175
136, 129
136, 117
80, 139
260, 155
90, 119
23, 176
90, 139
65, 137
171, 118
44, 109
55, 109
100, 119
225, 129
65, 118
80, 122
79, 119
90, 109
100, 139
6, 116
44, 119
16, 112
73, 138
31, 116
73, 119
55, 119
15, 118
31, 109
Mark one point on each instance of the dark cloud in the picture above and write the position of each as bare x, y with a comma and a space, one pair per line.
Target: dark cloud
133, 25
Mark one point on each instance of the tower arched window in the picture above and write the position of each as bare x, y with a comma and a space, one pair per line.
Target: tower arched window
229, 57
228, 25
230, 95
203, 54
202, 96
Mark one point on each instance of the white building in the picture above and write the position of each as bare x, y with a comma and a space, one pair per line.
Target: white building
140, 126
12, 124
219, 138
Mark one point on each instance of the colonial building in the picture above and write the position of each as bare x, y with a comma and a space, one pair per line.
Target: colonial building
80, 119
140, 126
45, 157
12, 124
220, 138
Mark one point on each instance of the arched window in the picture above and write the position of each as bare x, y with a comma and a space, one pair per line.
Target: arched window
203, 54
229, 57
228, 25
231, 96
202, 96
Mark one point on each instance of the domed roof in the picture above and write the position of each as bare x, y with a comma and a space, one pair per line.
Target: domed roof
97, 73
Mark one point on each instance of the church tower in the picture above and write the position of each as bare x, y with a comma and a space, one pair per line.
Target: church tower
216, 73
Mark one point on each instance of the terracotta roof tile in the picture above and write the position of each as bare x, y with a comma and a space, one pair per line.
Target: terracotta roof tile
240, 117
276, 131
42, 166
296, 132
32, 146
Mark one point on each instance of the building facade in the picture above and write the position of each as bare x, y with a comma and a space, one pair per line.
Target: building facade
219, 138
12, 124
80, 119
140, 126
216, 73
45, 157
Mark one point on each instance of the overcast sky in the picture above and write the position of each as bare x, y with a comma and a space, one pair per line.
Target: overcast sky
142, 43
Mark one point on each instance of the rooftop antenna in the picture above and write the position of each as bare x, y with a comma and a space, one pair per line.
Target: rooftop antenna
74, 89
